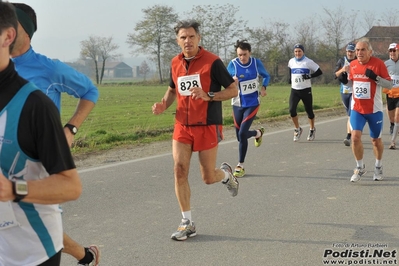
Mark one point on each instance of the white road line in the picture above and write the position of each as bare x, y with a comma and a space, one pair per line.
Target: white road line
169, 153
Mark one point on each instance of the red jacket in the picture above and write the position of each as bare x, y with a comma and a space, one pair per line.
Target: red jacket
207, 71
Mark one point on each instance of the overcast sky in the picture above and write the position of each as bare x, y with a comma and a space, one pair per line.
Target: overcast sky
62, 25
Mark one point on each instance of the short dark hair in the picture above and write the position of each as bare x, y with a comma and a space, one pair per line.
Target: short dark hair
243, 45
185, 24
29, 11
8, 19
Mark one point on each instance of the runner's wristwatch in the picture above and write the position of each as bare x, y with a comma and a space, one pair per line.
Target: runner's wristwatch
72, 128
20, 189
211, 94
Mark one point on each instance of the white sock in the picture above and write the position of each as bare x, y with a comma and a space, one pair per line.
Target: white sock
240, 165
187, 215
378, 163
258, 134
360, 163
395, 132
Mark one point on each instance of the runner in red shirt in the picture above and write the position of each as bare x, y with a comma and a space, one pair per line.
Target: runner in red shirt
196, 80
367, 76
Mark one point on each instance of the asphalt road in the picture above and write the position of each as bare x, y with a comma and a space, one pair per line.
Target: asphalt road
295, 206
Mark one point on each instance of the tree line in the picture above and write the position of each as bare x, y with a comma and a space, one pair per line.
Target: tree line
323, 36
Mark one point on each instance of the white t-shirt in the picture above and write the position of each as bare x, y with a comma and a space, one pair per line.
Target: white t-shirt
299, 68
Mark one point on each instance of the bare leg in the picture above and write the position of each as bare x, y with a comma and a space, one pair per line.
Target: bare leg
395, 128
348, 126
391, 115
296, 121
210, 174
182, 156
378, 148
357, 145
72, 248
311, 123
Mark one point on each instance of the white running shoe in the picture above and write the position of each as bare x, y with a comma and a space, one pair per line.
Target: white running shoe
232, 183
392, 146
185, 229
377, 174
312, 134
358, 173
297, 134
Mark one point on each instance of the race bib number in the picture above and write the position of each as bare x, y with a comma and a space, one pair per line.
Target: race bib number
300, 83
185, 83
395, 81
361, 90
249, 86
7, 216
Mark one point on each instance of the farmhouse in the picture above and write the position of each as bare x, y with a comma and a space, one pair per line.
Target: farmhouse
117, 70
380, 37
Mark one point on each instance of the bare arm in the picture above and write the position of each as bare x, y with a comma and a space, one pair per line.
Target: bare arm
166, 101
229, 92
54, 189
342, 70
226, 94
82, 111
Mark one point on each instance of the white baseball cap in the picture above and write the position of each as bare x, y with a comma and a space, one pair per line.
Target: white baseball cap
393, 46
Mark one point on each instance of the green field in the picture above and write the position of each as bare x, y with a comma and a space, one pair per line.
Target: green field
123, 114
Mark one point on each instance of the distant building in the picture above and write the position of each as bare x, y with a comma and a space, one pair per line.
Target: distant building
136, 71
117, 70
380, 37
111, 69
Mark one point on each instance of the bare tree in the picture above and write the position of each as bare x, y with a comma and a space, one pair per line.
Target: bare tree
98, 48
306, 33
280, 47
272, 44
154, 34
144, 69
353, 30
335, 26
390, 17
219, 28
259, 38
105, 49
369, 19
89, 49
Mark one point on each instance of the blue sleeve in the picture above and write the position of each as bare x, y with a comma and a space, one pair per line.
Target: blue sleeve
75, 83
263, 72
231, 69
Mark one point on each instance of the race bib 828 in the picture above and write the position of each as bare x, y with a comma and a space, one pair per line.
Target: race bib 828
185, 83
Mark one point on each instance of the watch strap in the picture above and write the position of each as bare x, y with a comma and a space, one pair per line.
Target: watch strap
211, 95
72, 128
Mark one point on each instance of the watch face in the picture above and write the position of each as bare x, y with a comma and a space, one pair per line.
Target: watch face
21, 188
72, 128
